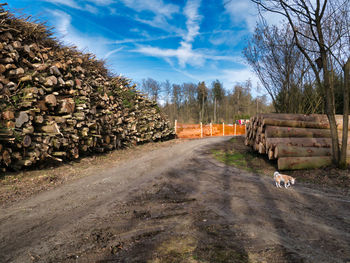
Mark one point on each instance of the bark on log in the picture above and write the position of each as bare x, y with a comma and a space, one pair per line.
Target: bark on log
282, 132
294, 123
298, 163
294, 117
302, 142
283, 150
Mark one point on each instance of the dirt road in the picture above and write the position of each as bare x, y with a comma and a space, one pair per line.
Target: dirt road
177, 204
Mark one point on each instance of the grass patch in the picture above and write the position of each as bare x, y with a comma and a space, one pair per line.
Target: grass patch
235, 153
230, 158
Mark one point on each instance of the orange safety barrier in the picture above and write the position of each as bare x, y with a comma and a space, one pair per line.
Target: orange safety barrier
199, 131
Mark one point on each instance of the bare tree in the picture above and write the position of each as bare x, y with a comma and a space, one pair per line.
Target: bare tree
279, 65
152, 88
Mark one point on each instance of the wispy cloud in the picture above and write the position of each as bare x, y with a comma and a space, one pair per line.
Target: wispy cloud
243, 12
90, 6
184, 53
70, 36
161, 13
193, 20
112, 52
140, 40
157, 7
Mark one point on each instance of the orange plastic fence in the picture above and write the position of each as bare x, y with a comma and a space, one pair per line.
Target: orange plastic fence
198, 131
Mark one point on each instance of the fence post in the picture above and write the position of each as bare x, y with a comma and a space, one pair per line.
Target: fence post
211, 129
223, 129
235, 129
201, 130
175, 125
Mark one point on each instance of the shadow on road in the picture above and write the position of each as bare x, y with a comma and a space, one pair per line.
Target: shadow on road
208, 211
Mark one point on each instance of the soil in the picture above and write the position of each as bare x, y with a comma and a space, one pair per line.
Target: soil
172, 202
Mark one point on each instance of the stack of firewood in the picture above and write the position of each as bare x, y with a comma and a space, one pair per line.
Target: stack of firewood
297, 141
57, 103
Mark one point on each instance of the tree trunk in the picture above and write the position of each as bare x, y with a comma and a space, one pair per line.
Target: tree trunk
346, 89
301, 142
329, 95
295, 123
281, 132
283, 150
298, 163
214, 110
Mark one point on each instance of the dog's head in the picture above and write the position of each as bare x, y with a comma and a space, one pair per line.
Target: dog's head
292, 180
275, 174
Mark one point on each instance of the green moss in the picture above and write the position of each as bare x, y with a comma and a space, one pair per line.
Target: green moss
245, 161
77, 101
100, 89
230, 157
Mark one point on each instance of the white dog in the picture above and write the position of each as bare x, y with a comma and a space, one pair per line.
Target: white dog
286, 179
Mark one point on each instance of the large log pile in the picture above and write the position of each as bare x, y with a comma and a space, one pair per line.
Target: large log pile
57, 103
297, 141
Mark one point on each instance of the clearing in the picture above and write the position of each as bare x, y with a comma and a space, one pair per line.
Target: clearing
177, 201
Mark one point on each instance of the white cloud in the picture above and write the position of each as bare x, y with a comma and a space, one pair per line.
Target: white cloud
161, 13
242, 11
247, 12
69, 3
112, 52
230, 77
184, 53
155, 6
102, 2
69, 35
83, 5
193, 20
147, 39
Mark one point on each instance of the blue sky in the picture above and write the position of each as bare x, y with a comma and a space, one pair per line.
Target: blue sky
180, 41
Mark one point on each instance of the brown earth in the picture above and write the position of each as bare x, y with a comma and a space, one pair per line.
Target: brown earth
172, 202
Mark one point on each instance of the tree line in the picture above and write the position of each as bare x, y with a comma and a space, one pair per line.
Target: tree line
200, 102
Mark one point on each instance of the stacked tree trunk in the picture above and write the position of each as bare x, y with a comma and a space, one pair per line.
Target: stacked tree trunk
57, 103
297, 141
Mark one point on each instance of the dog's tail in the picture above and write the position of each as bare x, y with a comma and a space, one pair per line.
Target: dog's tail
275, 174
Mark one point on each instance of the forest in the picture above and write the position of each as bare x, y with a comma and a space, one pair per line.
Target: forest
194, 103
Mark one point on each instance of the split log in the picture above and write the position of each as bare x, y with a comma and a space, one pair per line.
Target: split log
22, 118
270, 154
51, 100
26, 141
298, 163
262, 148
282, 132
6, 157
8, 115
